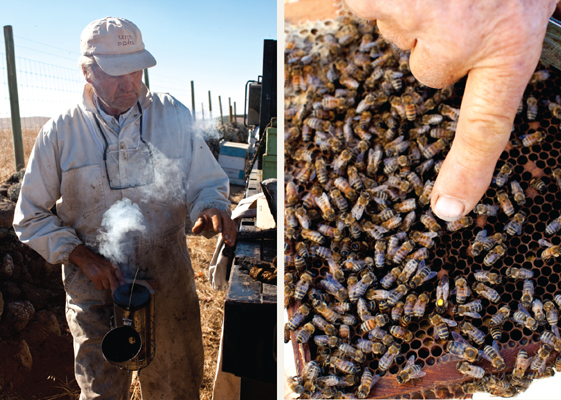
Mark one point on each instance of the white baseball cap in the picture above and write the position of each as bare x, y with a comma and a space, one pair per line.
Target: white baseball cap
116, 45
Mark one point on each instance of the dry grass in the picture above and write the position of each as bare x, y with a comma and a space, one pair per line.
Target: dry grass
7, 159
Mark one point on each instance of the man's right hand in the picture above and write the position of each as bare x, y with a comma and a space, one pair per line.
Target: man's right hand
103, 273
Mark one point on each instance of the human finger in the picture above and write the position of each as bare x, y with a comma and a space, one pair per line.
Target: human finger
113, 282
403, 39
488, 108
118, 274
216, 222
229, 233
198, 226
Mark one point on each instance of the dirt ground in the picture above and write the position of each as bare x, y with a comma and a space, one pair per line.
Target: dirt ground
52, 376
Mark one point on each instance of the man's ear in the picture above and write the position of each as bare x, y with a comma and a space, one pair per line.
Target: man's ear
86, 74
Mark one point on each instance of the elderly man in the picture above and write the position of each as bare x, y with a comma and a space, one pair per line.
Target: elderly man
124, 142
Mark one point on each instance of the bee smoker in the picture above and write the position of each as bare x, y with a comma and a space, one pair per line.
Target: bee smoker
131, 344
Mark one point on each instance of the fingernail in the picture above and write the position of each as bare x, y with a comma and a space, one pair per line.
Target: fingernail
448, 208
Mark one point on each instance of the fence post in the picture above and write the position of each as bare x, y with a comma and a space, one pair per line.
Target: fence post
203, 111
221, 117
193, 99
235, 112
146, 79
14, 103
210, 106
230, 107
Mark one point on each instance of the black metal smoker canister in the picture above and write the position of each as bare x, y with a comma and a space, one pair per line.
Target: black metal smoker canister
131, 342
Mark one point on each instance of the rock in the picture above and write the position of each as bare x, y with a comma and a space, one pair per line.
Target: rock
36, 296
24, 355
15, 317
7, 209
17, 257
16, 176
10, 290
6, 267
13, 191
43, 325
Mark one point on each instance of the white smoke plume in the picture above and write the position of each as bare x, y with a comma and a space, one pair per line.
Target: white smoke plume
121, 218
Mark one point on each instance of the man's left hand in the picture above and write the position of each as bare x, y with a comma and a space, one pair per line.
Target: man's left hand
213, 219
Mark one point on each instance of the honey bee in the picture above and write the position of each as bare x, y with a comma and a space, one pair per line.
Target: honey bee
367, 382
431, 119
401, 333
290, 217
423, 274
335, 288
378, 321
500, 317
449, 112
530, 139
403, 251
424, 167
294, 383
532, 110
389, 357
517, 193
538, 185
330, 315
521, 364
396, 294
461, 290
441, 325
466, 368
554, 226
522, 317
343, 185
298, 317
478, 243
434, 148
551, 251
325, 207
519, 273
475, 334
551, 339
423, 238
410, 108
471, 387
486, 209
368, 346
485, 291
442, 291
392, 223
341, 160
410, 267
540, 359
410, 301
302, 286
322, 324
405, 206
492, 240
438, 133
326, 340
299, 262
558, 364
505, 203
332, 103
305, 333
421, 305
379, 256
430, 223
464, 222
502, 176
488, 277
348, 350
556, 173
318, 124
360, 287
493, 256
424, 198
313, 236
527, 293
291, 193
366, 103
410, 371
461, 348
360, 205
551, 313
470, 309
346, 367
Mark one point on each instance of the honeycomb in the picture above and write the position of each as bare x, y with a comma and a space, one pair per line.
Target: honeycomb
452, 253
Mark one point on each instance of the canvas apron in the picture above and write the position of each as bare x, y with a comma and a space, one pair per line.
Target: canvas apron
162, 258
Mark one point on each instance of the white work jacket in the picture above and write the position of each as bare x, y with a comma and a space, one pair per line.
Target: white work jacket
66, 167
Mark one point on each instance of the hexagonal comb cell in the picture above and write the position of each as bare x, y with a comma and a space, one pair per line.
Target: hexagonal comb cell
363, 143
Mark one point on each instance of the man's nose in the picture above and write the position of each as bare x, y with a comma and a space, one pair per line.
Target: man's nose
126, 82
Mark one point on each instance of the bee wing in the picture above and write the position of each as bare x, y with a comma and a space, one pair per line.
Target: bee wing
555, 331
430, 235
375, 380
496, 346
410, 362
524, 310
380, 188
472, 314
418, 374
459, 338
519, 229
443, 288
429, 276
381, 294
543, 242
453, 292
450, 322
485, 356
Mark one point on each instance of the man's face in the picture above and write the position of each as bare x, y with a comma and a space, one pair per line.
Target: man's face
118, 93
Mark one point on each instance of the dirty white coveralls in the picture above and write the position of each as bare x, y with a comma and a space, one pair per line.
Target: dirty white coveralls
66, 167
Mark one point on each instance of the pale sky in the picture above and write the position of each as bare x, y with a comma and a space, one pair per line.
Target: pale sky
217, 44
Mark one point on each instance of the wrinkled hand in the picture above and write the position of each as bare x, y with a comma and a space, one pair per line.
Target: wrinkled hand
213, 219
103, 273
498, 44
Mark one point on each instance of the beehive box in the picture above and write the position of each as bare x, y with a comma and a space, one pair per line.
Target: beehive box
232, 158
451, 254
